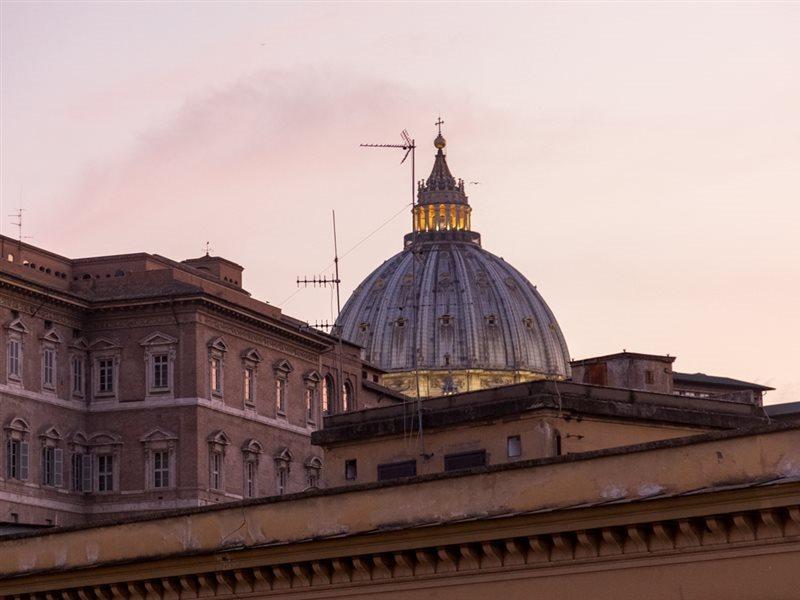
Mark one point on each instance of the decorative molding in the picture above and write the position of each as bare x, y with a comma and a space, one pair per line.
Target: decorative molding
541, 551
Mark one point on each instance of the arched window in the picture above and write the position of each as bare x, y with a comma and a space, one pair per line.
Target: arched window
347, 396
327, 395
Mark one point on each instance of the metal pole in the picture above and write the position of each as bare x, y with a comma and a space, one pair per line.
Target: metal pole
340, 392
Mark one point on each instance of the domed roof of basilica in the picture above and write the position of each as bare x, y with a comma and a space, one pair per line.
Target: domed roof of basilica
469, 310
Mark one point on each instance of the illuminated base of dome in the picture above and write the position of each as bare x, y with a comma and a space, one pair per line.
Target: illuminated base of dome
443, 382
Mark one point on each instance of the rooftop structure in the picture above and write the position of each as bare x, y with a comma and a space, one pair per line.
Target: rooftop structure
445, 308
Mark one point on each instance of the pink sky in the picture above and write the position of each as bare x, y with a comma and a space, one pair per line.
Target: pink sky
638, 162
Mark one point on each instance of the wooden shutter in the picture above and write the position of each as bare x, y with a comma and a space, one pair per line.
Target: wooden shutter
86, 463
23, 461
58, 470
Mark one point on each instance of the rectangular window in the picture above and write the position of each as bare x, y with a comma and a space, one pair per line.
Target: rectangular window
105, 375
649, 377
250, 479
514, 446
283, 478
397, 470
280, 395
215, 479
77, 375
105, 473
52, 467
160, 371
351, 469
249, 381
81, 472
17, 460
216, 375
161, 469
312, 478
310, 405
465, 460
14, 351
49, 367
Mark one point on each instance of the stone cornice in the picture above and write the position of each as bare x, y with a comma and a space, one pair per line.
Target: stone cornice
752, 520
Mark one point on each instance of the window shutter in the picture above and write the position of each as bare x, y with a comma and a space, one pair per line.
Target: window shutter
23, 461
44, 468
9, 465
59, 468
86, 460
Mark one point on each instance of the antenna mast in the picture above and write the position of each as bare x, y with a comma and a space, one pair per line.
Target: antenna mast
410, 147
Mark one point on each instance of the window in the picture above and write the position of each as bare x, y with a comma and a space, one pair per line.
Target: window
327, 395
283, 465
17, 459
312, 478
557, 443
105, 373
347, 396
250, 469
52, 466
649, 377
465, 460
77, 375
313, 470
280, 395
215, 479
249, 381
14, 356
514, 446
397, 470
160, 373
49, 368
105, 473
351, 469
216, 375
283, 480
81, 472
161, 469
310, 405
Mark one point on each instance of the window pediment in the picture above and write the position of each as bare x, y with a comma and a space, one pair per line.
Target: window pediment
314, 462
19, 425
253, 355
158, 339
51, 433
284, 455
51, 335
77, 437
104, 438
79, 344
252, 446
283, 366
101, 344
312, 376
17, 325
217, 344
219, 437
158, 435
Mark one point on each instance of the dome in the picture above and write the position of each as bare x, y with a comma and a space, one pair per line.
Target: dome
478, 322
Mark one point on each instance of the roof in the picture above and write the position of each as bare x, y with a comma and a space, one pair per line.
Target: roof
716, 381
624, 354
784, 409
510, 401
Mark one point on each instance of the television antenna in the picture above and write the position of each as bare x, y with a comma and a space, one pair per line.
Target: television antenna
408, 144
18, 224
325, 281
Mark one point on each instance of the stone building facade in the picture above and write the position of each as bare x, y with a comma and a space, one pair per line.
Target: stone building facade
136, 383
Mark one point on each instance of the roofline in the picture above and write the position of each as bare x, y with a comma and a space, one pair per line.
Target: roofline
730, 381
347, 489
624, 354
